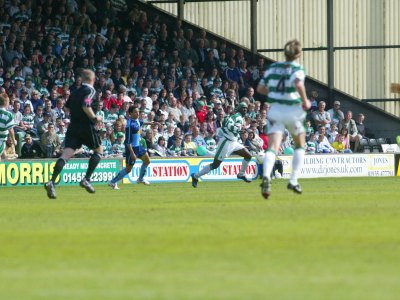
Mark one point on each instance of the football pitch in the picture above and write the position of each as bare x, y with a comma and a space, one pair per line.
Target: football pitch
339, 240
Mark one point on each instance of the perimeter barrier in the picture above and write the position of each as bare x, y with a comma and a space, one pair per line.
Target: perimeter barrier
163, 170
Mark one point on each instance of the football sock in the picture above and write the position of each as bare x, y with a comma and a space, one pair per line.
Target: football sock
268, 163
93, 162
203, 171
244, 166
120, 176
297, 163
58, 168
143, 170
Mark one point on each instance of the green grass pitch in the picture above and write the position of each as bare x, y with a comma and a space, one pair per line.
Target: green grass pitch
339, 240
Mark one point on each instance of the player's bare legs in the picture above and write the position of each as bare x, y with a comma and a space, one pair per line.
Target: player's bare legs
297, 163
245, 163
274, 141
195, 176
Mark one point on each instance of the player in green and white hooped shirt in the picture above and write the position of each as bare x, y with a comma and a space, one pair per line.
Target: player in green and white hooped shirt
283, 82
229, 144
6, 123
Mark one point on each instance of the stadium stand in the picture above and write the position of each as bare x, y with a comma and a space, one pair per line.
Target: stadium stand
140, 58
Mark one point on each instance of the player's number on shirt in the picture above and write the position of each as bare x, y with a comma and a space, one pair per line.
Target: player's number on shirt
281, 85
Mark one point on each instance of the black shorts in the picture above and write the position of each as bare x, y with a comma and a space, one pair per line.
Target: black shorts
84, 135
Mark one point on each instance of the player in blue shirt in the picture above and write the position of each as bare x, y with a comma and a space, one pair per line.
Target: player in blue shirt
133, 149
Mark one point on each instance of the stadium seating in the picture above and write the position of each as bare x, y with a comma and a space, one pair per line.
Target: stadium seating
375, 147
364, 146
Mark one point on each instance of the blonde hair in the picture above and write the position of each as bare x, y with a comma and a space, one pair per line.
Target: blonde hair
292, 50
4, 99
88, 76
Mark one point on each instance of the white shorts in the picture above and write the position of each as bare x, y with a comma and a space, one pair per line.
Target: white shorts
286, 116
227, 147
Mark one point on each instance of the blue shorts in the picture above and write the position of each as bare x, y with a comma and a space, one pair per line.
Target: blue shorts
139, 152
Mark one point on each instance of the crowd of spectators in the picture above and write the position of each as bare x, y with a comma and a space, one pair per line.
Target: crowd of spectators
184, 80
333, 130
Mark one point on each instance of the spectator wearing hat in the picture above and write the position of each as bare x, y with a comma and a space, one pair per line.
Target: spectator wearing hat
335, 113
24, 97
118, 148
31, 148
217, 105
24, 101
201, 110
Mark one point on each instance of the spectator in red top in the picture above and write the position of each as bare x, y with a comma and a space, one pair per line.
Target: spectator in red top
108, 99
120, 98
201, 111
